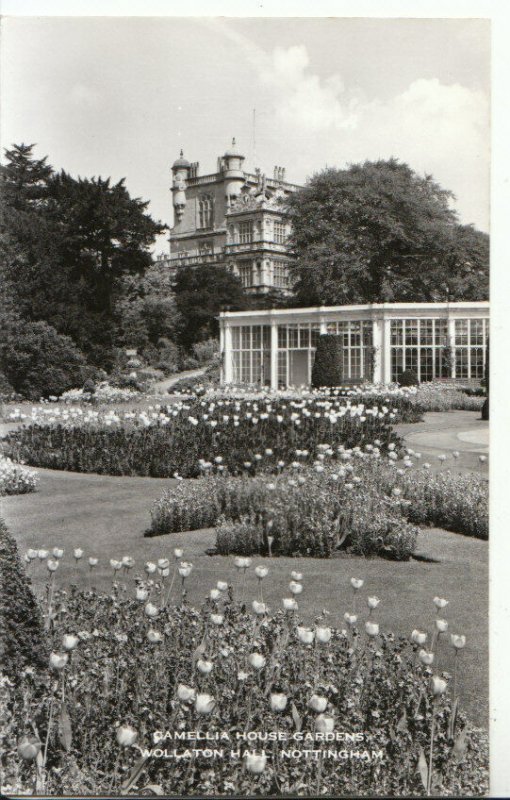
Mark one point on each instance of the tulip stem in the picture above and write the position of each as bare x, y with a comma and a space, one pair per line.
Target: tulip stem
431, 753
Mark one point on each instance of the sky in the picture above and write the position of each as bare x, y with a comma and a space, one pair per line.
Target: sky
121, 96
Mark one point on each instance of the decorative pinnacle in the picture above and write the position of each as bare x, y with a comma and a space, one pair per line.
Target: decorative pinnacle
182, 154
233, 141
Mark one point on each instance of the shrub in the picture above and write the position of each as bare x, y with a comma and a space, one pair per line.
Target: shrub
39, 362
15, 479
408, 378
206, 351
444, 397
327, 370
22, 640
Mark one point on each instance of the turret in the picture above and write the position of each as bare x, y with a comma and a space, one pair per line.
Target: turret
233, 173
181, 171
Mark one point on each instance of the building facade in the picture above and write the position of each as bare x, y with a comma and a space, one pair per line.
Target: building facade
232, 218
276, 348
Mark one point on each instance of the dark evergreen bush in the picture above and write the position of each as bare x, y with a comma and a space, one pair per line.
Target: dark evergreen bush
39, 362
327, 369
22, 641
408, 378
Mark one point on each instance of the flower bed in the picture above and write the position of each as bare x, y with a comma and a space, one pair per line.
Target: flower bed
308, 710
103, 393
445, 397
162, 442
16, 479
360, 501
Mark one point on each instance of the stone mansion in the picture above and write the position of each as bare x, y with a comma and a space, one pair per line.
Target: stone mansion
233, 218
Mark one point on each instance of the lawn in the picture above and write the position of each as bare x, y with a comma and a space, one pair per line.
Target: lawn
107, 516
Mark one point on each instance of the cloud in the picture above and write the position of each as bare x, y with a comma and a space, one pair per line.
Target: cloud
303, 98
438, 128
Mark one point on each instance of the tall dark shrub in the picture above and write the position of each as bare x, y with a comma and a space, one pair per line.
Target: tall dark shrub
21, 630
327, 368
485, 407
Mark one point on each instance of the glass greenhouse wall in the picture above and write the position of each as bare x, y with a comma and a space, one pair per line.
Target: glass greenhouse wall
437, 341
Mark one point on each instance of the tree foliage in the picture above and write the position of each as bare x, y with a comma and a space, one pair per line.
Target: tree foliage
66, 244
200, 296
378, 232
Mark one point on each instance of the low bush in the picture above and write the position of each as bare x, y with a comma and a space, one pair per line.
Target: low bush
22, 641
16, 479
408, 378
444, 397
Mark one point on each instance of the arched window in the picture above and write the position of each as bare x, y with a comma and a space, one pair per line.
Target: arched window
205, 211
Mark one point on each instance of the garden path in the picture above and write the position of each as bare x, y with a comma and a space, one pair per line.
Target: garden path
442, 433
162, 387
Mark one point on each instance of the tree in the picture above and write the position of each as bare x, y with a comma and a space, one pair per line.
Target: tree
200, 295
66, 244
378, 232
327, 368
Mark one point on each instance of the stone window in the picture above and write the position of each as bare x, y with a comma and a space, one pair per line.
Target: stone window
205, 211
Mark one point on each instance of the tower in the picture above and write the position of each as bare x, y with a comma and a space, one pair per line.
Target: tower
233, 174
180, 170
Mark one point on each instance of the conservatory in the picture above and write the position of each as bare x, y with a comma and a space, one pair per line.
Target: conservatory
276, 348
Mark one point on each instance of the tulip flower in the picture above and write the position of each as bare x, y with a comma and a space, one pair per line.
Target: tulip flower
150, 568
57, 552
42, 555
255, 763
317, 703
372, 629
151, 610
458, 641
261, 572
373, 602
155, 637
185, 693
442, 625
323, 635
418, 637
185, 569
289, 604
278, 701
217, 619
296, 576
69, 642
93, 562
128, 562
324, 723
295, 588
242, 563
31, 554
222, 586
438, 685
426, 658
305, 635
440, 603
204, 703
215, 594
141, 594
257, 660
351, 619
163, 563
115, 564
52, 565
178, 553
78, 553
204, 666
126, 735
58, 661
29, 747
259, 608
357, 583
